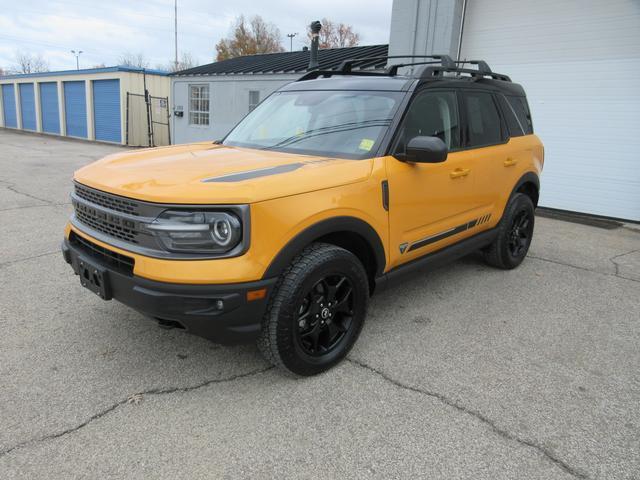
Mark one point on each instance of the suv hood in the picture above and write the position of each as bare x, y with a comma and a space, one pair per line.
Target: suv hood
203, 173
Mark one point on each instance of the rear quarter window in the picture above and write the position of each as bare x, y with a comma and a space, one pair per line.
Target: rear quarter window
521, 108
516, 128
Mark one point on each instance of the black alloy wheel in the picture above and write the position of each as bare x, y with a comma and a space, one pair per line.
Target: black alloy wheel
513, 234
316, 310
325, 315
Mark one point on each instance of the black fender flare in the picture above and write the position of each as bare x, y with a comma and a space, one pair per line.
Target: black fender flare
319, 230
529, 177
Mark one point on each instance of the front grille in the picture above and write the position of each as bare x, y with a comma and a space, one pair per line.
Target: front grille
118, 262
107, 227
112, 202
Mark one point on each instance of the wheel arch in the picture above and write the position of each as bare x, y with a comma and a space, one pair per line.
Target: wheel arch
529, 184
350, 233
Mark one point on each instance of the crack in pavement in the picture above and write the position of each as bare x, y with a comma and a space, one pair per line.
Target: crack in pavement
113, 407
545, 452
616, 274
11, 262
616, 264
12, 187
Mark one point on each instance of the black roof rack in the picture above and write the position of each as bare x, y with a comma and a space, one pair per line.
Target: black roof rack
435, 67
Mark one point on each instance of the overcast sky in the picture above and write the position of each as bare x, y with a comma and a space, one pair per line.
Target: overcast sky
108, 28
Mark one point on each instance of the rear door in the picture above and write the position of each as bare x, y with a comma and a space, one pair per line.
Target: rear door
494, 159
430, 205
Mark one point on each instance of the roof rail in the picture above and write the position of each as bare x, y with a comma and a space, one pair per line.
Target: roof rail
435, 66
482, 71
347, 65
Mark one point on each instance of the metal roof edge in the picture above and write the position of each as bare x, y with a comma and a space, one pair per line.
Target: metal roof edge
86, 71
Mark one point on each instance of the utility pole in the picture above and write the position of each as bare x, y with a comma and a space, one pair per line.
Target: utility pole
175, 30
291, 35
77, 54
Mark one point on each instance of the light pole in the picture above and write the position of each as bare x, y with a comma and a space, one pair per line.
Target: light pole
291, 35
77, 54
175, 31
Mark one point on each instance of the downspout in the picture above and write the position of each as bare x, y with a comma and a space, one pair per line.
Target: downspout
464, 11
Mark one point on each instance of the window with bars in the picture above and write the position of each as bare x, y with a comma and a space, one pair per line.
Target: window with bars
198, 104
254, 99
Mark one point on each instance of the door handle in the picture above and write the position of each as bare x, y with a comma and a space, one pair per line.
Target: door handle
459, 172
510, 162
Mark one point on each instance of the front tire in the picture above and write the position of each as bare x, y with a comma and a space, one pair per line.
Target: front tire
316, 311
515, 232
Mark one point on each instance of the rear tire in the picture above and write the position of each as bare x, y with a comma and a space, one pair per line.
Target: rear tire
316, 311
515, 232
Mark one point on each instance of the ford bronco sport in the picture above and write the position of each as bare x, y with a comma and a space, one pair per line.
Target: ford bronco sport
335, 186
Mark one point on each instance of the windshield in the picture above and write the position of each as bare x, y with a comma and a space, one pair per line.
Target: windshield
345, 124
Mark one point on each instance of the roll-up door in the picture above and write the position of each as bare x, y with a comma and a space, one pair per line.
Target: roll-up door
106, 110
75, 109
49, 108
27, 106
9, 106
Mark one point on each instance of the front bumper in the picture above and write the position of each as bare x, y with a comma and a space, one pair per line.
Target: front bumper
195, 307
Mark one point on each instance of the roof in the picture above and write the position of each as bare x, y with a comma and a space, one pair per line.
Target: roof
290, 62
87, 71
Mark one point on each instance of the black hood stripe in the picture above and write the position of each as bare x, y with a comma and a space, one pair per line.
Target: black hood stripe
250, 174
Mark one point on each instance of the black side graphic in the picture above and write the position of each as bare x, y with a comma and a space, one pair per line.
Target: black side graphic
442, 235
261, 172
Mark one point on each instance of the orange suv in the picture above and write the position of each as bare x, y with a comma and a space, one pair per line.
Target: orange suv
333, 187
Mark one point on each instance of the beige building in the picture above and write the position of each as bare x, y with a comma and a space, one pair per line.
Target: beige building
102, 104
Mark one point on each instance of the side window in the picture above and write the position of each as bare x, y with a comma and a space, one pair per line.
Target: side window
513, 123
254, 99
198, 104
483, 120
433, 114
521, 108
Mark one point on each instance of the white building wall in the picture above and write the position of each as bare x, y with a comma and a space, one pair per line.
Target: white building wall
228, 102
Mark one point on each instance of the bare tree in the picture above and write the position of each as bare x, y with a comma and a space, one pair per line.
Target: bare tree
250, 38
137, 60
336, 35
27, 63
186, 61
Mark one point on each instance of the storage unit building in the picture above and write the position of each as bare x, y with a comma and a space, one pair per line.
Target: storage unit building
88, 104
579, 62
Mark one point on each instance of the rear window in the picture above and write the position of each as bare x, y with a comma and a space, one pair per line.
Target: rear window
516, 128
483, 120
521, 108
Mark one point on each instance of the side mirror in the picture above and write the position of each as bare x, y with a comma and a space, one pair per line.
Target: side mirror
425, 150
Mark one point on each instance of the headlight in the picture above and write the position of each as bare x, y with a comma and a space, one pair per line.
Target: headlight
197, 232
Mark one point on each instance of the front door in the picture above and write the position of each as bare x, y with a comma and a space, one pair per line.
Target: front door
431, 205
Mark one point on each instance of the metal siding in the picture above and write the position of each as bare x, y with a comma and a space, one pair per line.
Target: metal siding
49, 108
75, 107
579, 62
9, 106
106, 110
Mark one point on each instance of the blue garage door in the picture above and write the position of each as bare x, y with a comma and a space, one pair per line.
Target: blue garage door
9, 106
106, 110
75, 109
49, 107
27, 106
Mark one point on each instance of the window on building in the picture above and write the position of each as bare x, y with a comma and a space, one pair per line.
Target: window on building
254, 99
198, 104
433, 114
483, 120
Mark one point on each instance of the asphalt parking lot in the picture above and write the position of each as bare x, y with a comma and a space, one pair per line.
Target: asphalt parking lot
464, 372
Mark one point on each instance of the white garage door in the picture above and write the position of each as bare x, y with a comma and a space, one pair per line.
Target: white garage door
579, 62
